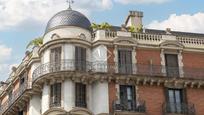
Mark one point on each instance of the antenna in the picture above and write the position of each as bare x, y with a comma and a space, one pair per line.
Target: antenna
70, 2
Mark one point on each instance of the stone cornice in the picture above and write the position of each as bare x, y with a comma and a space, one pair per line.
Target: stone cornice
63, 41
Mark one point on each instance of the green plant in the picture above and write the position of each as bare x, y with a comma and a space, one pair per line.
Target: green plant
131, 29
35, 42
104, 25
139, 28
94, 26
135, 29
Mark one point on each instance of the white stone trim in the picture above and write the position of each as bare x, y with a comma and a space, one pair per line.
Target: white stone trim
89, 96
62, 94
134, 60
117, 87
116, 57
134, 54
180, 63
45, 98
180, 60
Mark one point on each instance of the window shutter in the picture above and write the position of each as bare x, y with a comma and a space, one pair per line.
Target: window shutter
121, 61
128, 62
80, 58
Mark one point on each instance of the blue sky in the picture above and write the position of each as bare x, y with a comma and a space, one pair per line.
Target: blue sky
23, 20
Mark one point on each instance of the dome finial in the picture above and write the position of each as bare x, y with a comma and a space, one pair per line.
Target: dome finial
70, 2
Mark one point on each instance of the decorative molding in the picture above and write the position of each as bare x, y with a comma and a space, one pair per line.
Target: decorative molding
55, 36
125, 41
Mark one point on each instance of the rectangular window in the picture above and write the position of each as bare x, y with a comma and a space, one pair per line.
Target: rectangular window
10, 94
125, 61
80, 59
80, 94
127, 97
22, 80
55, 95
55, 58
172, 68
20, 113
175, 100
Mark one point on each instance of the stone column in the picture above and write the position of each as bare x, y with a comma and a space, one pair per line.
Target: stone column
45, 97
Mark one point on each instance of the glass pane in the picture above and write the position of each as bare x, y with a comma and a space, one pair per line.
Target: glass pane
178, 101
171, 101
129, 93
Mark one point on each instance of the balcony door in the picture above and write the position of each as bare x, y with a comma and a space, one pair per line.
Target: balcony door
127, 97
125, 61
80, 58
55, 59
172, 68
176, 100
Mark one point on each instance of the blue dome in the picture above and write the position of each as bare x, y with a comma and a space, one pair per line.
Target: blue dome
68, 18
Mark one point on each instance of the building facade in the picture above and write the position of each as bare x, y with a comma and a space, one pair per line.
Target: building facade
114, 71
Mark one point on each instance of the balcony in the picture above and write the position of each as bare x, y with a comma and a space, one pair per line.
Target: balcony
55, 103
147, 38
129, 108
115, 68
178, 109
16, 95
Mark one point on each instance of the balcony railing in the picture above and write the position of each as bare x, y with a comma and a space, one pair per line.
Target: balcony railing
15, 96
55, 103
133, 106
178, 108
80, 104
115, 68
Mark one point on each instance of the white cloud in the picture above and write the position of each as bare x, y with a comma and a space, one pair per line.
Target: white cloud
14, 12
141, 1
184, 22
5, 55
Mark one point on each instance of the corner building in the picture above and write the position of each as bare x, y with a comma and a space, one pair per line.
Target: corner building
81, 71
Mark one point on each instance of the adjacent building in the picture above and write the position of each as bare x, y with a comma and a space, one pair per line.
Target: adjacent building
119, 70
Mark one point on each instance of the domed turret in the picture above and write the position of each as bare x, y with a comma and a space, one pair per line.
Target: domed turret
68, 18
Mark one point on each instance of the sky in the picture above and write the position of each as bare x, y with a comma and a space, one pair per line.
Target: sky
23, 20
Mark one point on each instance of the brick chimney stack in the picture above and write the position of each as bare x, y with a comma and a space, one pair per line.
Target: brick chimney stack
134, 19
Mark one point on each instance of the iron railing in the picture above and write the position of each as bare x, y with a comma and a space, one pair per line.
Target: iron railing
55, 103
178, 108
15, 96
116, 68
80, 104
133, 106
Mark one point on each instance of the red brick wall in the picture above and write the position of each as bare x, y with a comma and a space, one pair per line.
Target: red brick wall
112, 88
191, 59
145, 55
154, 98
193, 64
112, 95
111, 56
196, 96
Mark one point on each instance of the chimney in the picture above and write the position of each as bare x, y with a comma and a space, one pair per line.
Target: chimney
134, 19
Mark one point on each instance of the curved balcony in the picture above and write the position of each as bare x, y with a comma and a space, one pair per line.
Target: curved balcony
63, 65
178, 109
116, 68
16, 95
130, 108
